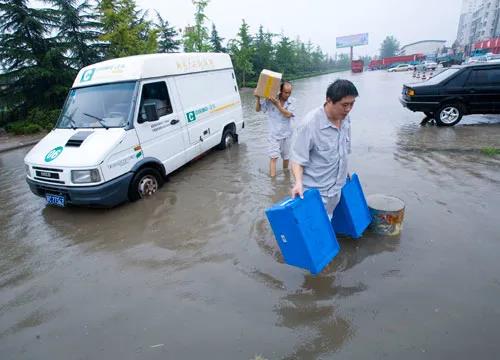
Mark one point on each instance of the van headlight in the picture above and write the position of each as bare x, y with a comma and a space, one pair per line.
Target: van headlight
85, 176
28, 172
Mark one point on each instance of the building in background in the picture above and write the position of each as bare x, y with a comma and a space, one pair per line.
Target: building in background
479, 21
429, 48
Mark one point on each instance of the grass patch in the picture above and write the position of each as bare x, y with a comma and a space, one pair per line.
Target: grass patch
490, 151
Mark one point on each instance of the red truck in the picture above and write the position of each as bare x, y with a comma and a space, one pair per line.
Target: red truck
386, 62
357, 66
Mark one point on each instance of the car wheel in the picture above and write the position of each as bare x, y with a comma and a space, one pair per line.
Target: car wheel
227, 140
145, 183
449, 114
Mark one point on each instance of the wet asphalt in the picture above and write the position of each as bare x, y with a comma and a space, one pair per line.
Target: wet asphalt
195, 272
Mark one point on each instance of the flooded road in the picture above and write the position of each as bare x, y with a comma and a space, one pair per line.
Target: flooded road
195, 273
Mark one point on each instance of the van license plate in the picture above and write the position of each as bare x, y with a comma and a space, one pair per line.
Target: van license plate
56, 200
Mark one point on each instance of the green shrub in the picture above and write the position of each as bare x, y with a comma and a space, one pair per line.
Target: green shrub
23, 127
490, 151
38, 119
45, 118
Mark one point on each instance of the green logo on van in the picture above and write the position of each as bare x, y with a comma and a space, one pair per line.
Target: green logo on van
191, 116
87, 75
52, 154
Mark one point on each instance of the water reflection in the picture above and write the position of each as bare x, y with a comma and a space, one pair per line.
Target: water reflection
443, 151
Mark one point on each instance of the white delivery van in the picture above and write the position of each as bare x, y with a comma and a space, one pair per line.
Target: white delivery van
129, 122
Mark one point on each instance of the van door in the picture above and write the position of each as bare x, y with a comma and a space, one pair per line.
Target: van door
163, 138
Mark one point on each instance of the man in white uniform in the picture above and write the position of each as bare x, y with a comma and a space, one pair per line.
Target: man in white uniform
279, 113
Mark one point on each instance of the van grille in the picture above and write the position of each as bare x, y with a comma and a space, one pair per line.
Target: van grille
48, 174
49, 180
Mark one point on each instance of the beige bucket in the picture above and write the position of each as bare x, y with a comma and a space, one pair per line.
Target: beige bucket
387, 214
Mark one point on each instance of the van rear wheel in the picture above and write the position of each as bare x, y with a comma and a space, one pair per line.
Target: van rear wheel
227, 139
145, 183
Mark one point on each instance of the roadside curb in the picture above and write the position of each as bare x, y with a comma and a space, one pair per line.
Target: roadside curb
18, 146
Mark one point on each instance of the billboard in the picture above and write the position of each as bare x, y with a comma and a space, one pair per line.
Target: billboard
352, 40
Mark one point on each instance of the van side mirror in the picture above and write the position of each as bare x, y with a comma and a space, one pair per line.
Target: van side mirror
151, 114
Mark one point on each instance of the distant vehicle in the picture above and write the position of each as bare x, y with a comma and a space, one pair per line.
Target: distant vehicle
493, 58
476, 59
357, 66
401, 67
456, 91
391, 61
430, 65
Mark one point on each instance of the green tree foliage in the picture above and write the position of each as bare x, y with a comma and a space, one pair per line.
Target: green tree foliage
344, 60
196, 38
77, 31
35, 73
389, 47
125, 30
216, 41
167, 35
366, 60
242, 52
285, 56
41, 50
263, 50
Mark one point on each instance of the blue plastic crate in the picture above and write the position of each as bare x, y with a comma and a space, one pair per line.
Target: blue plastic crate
351, 216
303, 231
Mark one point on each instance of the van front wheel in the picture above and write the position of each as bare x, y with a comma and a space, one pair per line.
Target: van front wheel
227, 139
144, 184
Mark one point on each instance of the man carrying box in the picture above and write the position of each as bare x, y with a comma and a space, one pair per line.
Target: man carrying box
279, 112
320, 146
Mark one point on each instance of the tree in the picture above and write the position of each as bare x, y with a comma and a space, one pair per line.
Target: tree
285, 56
366, 59
242, 51
167, 34
78, 30
196, 37
343, 61
389, 47
35, 72
317, 59
263, 50
216, 41
125, 29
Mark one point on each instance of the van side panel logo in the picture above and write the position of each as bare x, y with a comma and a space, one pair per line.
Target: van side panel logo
191, 116
87, 75
54, 153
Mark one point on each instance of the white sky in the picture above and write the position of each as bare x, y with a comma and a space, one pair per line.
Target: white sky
321, 21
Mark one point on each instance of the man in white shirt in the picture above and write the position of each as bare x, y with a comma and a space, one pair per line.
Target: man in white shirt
279, 113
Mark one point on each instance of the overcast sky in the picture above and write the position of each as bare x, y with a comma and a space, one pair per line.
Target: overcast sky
321, 21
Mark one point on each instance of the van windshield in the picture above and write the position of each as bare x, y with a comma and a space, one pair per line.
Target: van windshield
106, 106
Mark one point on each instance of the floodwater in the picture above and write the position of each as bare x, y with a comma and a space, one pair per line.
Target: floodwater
195, 273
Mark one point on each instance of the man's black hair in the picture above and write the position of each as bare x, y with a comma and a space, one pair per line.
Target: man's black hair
283, 82
339, 89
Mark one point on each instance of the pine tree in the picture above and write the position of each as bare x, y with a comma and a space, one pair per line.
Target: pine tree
263, 53
242, 51
167, 36
216, 41
35, 72
78, 31
389, 47
285, 57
